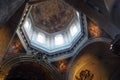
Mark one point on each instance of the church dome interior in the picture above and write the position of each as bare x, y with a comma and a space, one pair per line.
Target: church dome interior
59, 40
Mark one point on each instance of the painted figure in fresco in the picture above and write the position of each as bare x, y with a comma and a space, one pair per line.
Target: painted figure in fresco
85, 75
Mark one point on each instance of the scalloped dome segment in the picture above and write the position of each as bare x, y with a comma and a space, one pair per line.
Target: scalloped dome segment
52, 15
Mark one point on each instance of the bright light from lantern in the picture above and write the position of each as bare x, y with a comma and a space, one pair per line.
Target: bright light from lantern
41, 38
59, 39
73, 30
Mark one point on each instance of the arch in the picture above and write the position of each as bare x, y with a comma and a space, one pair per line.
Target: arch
8, 65
88, 60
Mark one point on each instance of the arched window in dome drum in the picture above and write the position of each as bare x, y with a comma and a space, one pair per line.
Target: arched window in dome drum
41, 38
59, 40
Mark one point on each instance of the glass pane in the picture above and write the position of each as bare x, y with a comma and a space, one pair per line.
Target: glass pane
73, 30
27, 24
41, 38
59, 39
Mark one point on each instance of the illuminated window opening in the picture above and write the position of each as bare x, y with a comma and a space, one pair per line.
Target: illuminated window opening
59, 39
41, 38
73, 30
27, 24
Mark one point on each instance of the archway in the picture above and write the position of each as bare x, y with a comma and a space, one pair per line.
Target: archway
29, 71
27, 67
93, 63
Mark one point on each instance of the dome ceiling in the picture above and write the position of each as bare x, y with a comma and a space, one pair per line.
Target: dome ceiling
53, 28
52, 15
